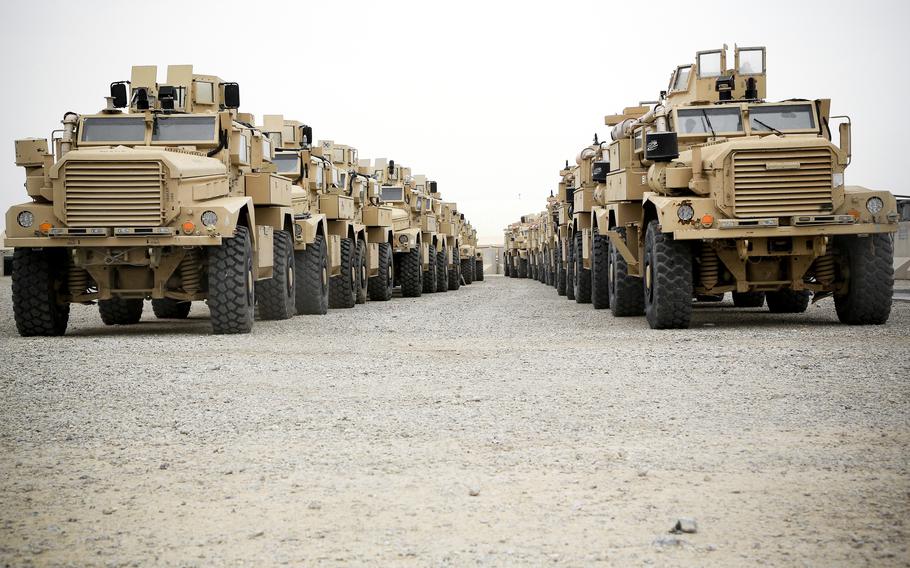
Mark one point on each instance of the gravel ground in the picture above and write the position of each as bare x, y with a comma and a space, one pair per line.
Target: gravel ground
500, 424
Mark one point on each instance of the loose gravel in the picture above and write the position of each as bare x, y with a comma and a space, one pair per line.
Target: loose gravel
500, 424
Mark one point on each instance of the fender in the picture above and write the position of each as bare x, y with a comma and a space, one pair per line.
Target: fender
230, 210
279, 218
414, 239
601, 219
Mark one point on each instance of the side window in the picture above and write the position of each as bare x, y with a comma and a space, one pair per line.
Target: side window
709, 64
244, 150
681, 80
751, 61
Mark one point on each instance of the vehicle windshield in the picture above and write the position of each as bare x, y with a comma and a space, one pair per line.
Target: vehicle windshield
392, 193
781, 117
708, 120
184, 129
288, 163
113, 129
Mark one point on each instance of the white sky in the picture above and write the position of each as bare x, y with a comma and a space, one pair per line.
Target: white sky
488, 99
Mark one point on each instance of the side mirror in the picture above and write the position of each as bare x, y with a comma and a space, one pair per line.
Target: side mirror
231, 95
142, 99
306, 135
845, 130
120, 94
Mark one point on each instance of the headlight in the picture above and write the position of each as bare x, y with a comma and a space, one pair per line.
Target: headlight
209, 218
874, 205
403, 239
25, 219
685, 212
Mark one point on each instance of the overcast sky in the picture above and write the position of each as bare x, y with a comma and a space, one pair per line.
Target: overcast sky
488, 99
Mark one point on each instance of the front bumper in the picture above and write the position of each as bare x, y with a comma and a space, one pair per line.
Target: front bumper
113, 242
788, 231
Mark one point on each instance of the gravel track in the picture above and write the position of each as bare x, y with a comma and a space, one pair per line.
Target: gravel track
500, 424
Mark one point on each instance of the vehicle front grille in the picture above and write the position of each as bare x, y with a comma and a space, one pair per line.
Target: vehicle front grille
113, 194
782, 182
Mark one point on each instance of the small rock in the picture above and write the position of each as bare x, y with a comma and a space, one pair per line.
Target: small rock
473, 491
685, 525
108, 511
668, 541
165, 465
314, 505
257, 534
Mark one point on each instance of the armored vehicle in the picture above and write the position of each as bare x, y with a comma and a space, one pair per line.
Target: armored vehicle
163, 195
435, 271
450, 224
342, 230
516, 249
563, 252
468, 254
551, 240
713, 189
412, 222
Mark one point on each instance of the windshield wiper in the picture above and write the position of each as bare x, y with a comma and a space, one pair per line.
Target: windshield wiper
771, 128
708, 121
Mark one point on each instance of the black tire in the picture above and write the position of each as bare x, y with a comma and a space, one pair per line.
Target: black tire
343, 287
627, 295
429, 275
570, 270
866, 267
276, 296
411, 273
455, 270
560, 273
442, 271
668, 280
506, 263
39, 281
600, 275
120, 311
312, 278
788, 301
169, 308
232, 293
467, 270
522, 267
363, 271
380, 286
709, 297
582, 279
478, 270
748, 299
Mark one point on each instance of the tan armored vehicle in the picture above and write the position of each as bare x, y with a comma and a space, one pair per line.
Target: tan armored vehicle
516, 247
450, 223
551, 240
563, 252
413, 228
468, 254
342, 231
713, 189
169, 199
436, 273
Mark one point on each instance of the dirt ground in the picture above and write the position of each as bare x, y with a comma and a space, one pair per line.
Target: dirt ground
497, 425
